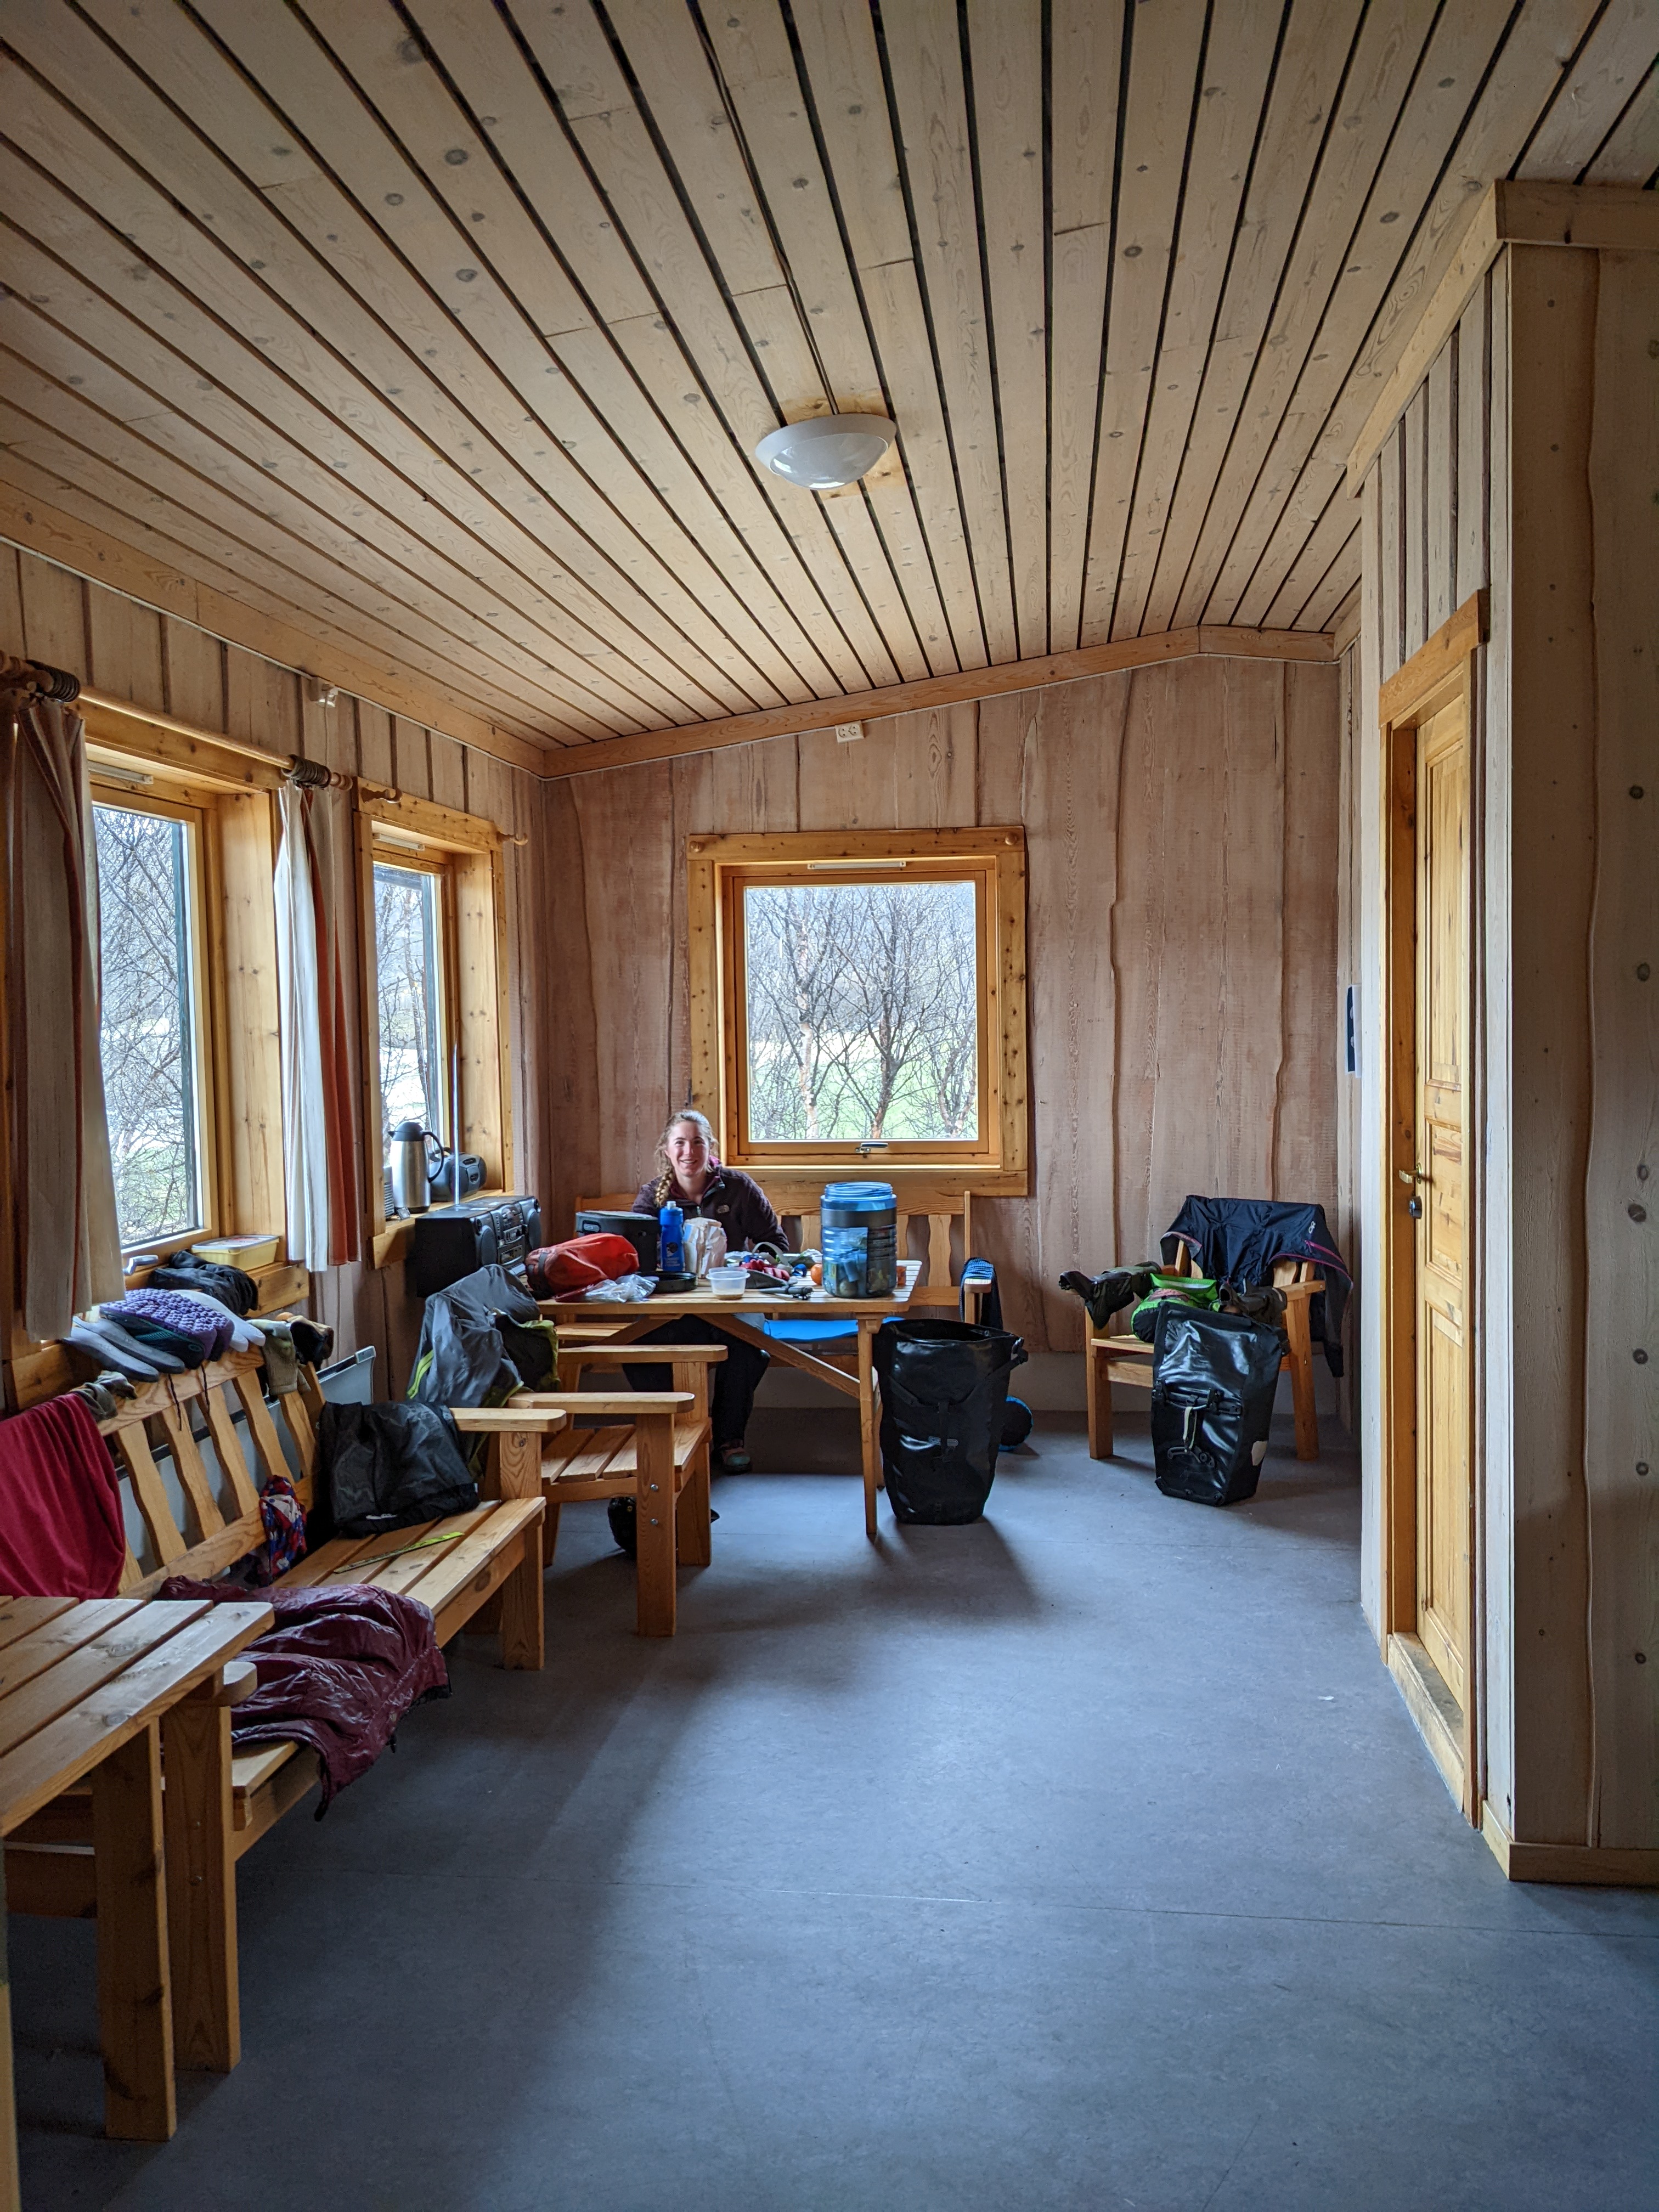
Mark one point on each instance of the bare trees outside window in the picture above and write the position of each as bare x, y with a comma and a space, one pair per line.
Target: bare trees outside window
148, 1022
406, 938
862, 1005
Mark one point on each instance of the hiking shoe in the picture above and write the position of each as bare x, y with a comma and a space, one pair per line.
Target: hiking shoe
1108, 1293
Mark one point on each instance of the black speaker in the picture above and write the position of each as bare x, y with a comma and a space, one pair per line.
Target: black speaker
483, 1232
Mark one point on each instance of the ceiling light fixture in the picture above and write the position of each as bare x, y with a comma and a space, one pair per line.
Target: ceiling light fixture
826, 452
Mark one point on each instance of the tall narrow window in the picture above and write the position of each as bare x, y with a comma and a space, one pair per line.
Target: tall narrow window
153, 1032
409, 940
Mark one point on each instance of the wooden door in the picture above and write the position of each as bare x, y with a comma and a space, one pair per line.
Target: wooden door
1442, 1277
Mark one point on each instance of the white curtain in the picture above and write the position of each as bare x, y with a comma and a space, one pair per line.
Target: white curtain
319, 1147
69, 1245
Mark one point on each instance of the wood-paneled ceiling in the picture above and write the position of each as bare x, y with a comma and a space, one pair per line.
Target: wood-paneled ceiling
444, 330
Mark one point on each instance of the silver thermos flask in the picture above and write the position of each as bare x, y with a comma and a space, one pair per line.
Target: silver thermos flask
409, 1185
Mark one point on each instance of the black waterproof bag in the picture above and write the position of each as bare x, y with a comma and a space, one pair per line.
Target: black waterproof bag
1213, 1379
386, 1467
944, 1394
464, 1357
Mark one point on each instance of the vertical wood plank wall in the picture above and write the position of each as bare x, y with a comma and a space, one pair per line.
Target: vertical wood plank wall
118, 646
1528, 462
1182, 829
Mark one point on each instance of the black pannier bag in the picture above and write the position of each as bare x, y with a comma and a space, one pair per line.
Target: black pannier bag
944, 1395
386, 1467
1213, 1379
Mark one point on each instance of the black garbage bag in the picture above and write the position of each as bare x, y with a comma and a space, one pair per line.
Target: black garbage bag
943, 1397
1213, 1379
386, 1467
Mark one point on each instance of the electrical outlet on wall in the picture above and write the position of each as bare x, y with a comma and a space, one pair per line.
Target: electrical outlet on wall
849, 733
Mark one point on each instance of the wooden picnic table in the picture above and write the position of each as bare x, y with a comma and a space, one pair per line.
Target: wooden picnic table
739, 1314
98, 1690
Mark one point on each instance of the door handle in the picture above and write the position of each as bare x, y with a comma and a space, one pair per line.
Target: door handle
1409, 1175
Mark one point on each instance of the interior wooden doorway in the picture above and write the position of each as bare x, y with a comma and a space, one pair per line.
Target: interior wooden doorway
1433, 1581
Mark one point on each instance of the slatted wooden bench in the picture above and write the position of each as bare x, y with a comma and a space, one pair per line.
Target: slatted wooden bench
659, 1458
489, 1559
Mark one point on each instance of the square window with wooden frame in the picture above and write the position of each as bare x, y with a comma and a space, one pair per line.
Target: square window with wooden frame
184, 836
432, 929
860, 997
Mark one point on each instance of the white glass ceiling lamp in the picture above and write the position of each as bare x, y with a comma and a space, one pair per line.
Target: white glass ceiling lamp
826, 452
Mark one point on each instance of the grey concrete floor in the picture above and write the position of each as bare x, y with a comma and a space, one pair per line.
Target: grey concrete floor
1085, 1858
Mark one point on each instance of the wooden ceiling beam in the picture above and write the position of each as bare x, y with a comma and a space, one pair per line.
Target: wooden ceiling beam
939, 691
1617, 218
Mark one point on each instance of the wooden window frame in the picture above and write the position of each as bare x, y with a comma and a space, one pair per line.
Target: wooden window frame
718, 868
466, 851
230, 801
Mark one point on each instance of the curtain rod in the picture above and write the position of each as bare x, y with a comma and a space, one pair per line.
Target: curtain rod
37, 679
309, 775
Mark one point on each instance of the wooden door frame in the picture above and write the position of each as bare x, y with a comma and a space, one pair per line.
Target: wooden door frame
1441, 671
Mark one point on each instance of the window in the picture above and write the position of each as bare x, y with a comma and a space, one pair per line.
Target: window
184, 828
862, 997
156, 1084
431, 912
409, 934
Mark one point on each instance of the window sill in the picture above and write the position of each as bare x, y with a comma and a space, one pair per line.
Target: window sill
920, 1187
394, 1241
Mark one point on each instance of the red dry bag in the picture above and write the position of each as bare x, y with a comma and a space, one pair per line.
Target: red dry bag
565, 1270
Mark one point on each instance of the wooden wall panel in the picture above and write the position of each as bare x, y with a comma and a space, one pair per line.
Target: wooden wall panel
1550, 399
1552, 853
1621, 1394
1180, 825
117, 645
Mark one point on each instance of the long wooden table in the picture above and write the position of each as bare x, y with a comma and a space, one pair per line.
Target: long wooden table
740, 1314
98, 1690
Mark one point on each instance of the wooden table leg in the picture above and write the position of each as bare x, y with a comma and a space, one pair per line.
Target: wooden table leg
693, 1536
869, 1433
1302, 1381
135, 1994
201, 1873
518, 1474
1098, 1384
10, 2197
655, 1524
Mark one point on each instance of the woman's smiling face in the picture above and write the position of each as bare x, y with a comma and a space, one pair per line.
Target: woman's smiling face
688, 1153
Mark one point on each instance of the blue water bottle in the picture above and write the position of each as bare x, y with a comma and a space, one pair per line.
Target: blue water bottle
670, 1243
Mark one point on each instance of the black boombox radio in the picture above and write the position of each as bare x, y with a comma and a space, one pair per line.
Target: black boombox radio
480, 1232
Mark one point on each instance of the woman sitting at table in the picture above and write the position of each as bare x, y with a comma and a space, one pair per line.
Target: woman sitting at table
691, 1177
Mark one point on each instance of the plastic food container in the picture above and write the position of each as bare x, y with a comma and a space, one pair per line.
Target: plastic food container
861, 1240
727, 1282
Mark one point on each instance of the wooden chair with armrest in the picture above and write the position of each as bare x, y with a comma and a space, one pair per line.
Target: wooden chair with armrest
1112, 1357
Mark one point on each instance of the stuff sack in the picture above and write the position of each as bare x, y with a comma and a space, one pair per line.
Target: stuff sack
1214, 1375
565, 1270
387, 1466
944, 1401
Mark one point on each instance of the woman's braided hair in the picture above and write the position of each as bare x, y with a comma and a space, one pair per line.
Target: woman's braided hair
665, 1184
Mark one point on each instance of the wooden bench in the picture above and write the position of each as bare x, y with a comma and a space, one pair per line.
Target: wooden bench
489, 1559
1126, 1359
659, 1458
